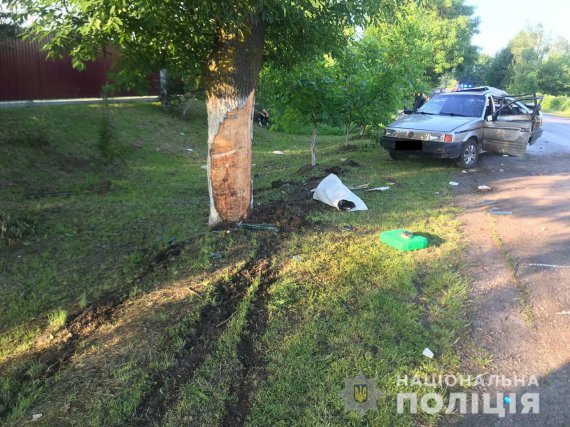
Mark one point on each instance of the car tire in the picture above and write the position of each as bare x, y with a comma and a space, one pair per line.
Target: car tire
397, 156
469, 155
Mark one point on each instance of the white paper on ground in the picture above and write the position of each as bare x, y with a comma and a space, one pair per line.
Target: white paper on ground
331, 190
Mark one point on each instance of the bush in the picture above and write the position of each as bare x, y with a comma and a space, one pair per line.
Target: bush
13, 229
556, 103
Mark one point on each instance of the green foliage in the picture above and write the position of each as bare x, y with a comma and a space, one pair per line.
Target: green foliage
105, 135
556, 103
376, 74
13, 229
179, 36
531, 63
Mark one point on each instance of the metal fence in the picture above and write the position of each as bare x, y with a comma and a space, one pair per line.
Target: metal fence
27, 74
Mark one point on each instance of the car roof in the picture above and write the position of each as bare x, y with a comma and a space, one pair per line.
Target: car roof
485, 90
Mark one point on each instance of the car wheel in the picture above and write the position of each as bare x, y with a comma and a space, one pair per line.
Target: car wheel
469, 155
397, 156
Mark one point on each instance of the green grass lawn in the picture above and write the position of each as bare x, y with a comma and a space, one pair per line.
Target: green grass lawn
130, 230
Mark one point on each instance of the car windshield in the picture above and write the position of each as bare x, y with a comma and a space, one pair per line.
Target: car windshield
454, 105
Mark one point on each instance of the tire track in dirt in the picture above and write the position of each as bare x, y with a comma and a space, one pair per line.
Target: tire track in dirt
211, 325
251, 354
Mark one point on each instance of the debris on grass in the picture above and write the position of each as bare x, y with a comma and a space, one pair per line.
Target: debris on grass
259, 227
403, 240
334, 193
378, 189
215, 255
428, 353
36, 417
297, 258
453, 183
359, 187
278, 152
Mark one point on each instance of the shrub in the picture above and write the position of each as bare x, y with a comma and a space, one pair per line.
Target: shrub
13, 229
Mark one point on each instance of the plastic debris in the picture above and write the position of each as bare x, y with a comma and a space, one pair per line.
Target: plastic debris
403, 240
501, 170
378, 189
171, 240
334, 193
507, 400
567, 313
484, 188
497, 212
215, 255
505, 155
36, 417
278, 152
298, 258
204, 166
258, 227
428, 353
453, 183
549, 265
359, 187
463, 171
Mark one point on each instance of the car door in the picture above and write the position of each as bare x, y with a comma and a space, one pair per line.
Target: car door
509, 129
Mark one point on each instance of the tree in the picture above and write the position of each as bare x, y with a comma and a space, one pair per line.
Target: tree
225, 42
499, 70
306, 95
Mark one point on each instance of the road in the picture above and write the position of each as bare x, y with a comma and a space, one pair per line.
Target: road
519, 264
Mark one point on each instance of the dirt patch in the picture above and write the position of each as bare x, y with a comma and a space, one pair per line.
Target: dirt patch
337, 170
346, 148
306, 169
285, 215
351, 163
251, 358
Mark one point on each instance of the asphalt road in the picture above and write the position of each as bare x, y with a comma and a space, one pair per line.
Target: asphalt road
519, 264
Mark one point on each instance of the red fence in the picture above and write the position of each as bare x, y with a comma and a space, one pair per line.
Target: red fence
26, 74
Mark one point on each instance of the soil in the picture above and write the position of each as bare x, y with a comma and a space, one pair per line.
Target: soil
346, 148
519, 265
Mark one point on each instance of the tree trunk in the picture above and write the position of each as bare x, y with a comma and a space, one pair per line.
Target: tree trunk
230, 80
163, 88
314, 146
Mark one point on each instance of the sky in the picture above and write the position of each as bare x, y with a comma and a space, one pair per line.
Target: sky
501, 20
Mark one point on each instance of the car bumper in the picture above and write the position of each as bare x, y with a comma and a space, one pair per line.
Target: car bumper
436, 150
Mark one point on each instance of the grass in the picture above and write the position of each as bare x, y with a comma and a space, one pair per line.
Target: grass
341, 303
558, 105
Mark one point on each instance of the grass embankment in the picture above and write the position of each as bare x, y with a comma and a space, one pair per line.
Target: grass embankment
558, 105
120, 306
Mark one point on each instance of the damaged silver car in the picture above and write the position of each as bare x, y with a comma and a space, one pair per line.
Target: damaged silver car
461, 125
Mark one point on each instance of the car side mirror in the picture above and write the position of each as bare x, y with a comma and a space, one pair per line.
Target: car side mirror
408, 111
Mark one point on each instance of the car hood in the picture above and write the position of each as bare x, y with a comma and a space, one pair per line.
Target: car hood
433, 123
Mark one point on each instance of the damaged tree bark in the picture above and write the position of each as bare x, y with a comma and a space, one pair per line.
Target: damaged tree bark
230, 80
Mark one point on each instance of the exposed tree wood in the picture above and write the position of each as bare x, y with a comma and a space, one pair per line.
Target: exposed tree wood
230, 80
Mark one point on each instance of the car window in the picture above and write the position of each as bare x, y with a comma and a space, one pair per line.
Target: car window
514, 109
454, 105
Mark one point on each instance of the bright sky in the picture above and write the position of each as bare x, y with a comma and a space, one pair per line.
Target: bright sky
500, 20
